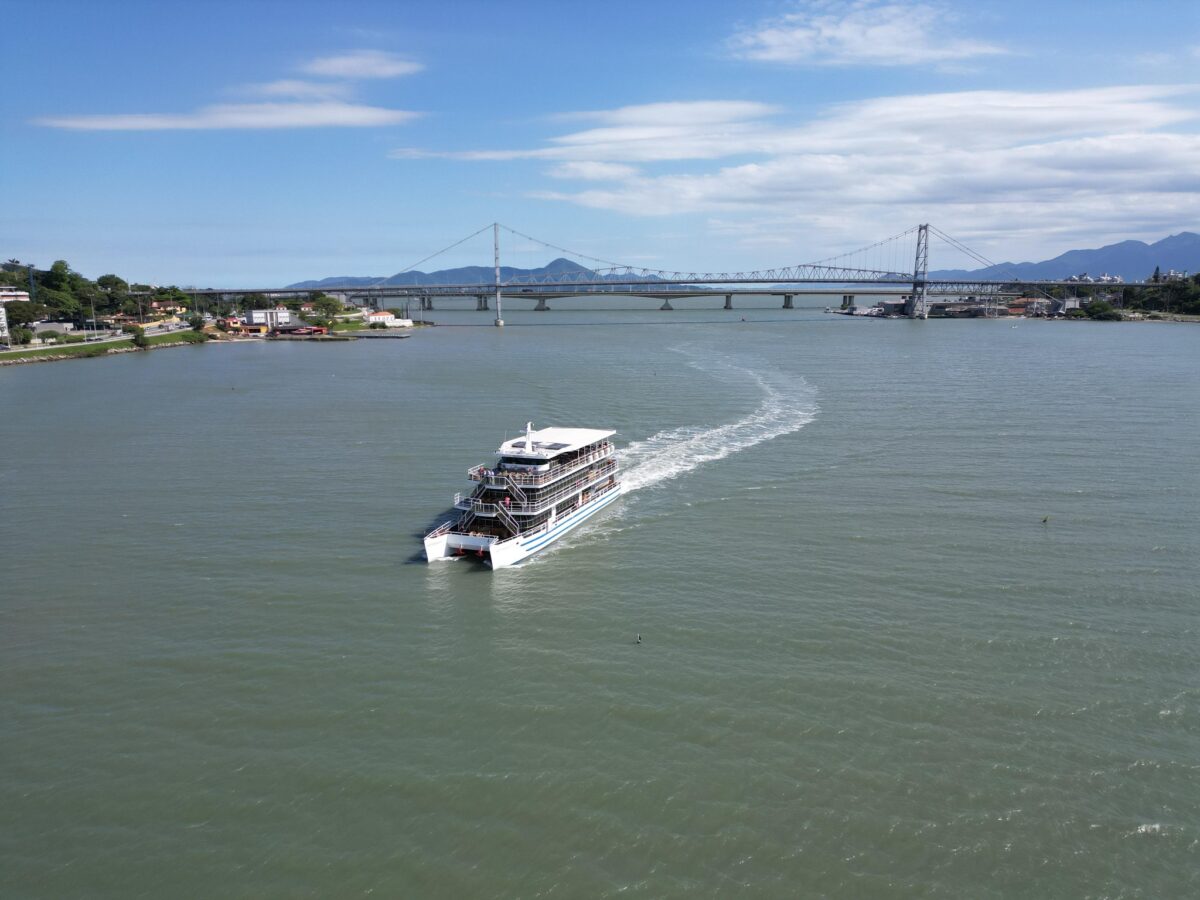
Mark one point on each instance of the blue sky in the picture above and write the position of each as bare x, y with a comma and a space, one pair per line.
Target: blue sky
259, 143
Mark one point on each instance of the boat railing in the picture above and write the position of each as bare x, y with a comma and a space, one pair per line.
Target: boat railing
512, 486
527, 506
503, 515
495, 509
537, 479
541, 504
441, 529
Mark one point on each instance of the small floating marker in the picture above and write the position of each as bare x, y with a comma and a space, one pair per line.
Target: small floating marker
1045, 519
639, 640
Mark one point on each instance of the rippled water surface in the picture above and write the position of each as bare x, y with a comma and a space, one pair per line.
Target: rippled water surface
918, 606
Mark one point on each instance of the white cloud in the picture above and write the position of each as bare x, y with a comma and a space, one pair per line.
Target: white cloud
300, 90
674, 114
704, 129
867, 32
593, 171
1104, 161
242, 115
362, 64
295, 103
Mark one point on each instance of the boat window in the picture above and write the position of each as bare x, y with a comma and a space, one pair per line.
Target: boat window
521, 461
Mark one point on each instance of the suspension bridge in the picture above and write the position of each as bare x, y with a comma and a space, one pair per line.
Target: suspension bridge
897, 265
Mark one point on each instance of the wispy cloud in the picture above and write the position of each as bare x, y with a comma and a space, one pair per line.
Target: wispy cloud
866, 32
300, 90
293, 103
995, 159
241, 115
362, 64
703, 129
593, 171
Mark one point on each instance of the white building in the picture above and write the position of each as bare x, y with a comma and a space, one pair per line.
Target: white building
9, 295
272, 318
387, 319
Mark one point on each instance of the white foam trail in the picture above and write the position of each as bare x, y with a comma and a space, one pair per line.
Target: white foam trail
788, 404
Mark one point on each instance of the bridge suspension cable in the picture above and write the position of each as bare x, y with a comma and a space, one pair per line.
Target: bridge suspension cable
607, 262
868, 248
958, 245
610, 270
432, 255
979, 257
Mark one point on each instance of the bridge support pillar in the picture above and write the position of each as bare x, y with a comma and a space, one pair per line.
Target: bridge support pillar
667, 305
729, 301
541, 305
481, 303
787, 301
427, 303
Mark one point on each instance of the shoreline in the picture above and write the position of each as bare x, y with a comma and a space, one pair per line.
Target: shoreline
85, 354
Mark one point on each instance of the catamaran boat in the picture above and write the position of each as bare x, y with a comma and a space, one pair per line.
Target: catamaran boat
545, 483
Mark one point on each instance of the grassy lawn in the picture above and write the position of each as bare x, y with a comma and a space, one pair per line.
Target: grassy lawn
89, 349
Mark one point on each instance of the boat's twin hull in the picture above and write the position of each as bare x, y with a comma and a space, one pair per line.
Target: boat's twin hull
501, 554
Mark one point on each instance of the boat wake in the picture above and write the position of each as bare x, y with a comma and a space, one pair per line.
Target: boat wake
788, 404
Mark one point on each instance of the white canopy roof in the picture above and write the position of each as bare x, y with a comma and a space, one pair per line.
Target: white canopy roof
550, 442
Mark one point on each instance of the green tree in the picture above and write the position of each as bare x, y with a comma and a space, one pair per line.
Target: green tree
59, 276
140, 340
24, 313
327, 306
197, 322
1102, 311
112, 283
20, 335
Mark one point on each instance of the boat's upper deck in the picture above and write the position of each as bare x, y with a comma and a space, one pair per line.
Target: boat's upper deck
545, 444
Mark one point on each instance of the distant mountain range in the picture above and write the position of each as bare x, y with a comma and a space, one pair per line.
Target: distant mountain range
1132, 260
463, 275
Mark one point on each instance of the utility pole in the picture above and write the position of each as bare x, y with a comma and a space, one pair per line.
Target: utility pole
496, 244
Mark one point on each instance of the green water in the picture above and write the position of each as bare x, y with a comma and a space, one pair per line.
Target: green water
868, 668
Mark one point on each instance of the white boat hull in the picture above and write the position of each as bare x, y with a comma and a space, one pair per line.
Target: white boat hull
502, 554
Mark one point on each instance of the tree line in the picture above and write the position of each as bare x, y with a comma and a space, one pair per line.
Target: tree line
63, 295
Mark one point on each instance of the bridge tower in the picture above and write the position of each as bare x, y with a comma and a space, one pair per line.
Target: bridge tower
496, 244
5, 338
916, 307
